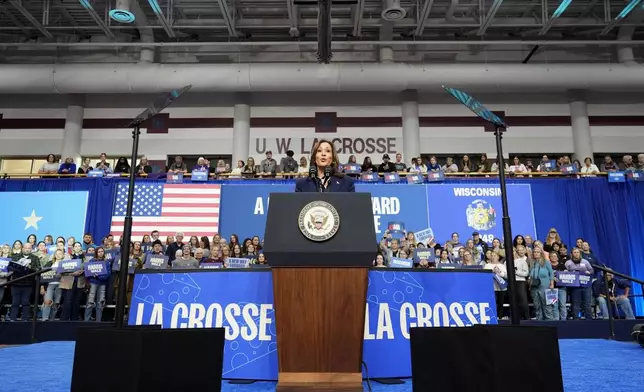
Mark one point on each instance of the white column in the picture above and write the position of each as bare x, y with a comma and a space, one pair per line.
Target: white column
241, 133
581, 139
73, 132
410, 125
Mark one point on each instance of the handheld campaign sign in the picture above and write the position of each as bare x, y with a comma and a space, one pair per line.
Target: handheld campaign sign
585, 280
51, 249
397, 229
234, 262
415, 179
549, 165
503, 284
68, 266
392, 178
424, 253
211, 265
131, 266
475, 266
4, 263
199, 176
96, 173
369, 177
436, 176
424, 235
49, 276
637, 175
448, 265
552, 296
566, 279
616, 177
156, 261
569, 169
146, 247
95, 268
174, 178
397, 262
112, 254
352, 168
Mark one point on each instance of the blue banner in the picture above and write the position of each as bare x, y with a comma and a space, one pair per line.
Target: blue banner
468, 208
397, 262
155, 261
566, 279
42, 213
242, 302
397, 203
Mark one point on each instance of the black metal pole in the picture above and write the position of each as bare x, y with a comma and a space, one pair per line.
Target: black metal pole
127, 234
34, 314
507, 233
611, 321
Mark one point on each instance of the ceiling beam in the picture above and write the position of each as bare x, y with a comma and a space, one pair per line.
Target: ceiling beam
623, 14
229, 20
490, 16
97, 18
555, 15
423, 18
358, 11
167, 26
18, 5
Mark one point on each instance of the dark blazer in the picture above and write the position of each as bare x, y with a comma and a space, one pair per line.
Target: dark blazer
336, 184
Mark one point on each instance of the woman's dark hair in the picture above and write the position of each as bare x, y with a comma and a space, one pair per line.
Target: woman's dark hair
53, 156
32, 235
514, 241
335, 162
206, 242
236, 237
96, 257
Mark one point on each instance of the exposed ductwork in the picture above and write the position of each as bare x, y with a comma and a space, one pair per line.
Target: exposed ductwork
625, 53
392, 11
146, 34
395, 77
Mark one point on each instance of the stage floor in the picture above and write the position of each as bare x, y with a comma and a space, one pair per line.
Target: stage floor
588, 364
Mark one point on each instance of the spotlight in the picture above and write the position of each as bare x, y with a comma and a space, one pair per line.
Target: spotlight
121, 12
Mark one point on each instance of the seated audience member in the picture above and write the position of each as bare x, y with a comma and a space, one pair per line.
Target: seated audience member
609, 165
303, 168
617, 294
261, 258
386, 166
49, 167
237, 171
543, 165
178, 166
424, 263
589, 167
444, 257
288, 164
517, 167
450, 166
484, 165
69, 167
466, 164
173, 247
104, 166
433, 165
85, 167
157, 248
268, 166
97, 289
417, 166
220, 168
367, 166
500, 271
521, 275
250, 169
560, 311
467, 258
199, 255
122, 166
580, 296
541, 279
529, 167
183, 259
640, 162
143, 167
627, 164
399, 165
102, 160
577, 164
201, 165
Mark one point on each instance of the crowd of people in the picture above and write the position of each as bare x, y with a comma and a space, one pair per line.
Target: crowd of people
62, 295
270, 167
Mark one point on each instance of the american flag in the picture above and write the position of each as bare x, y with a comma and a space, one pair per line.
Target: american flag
169, 208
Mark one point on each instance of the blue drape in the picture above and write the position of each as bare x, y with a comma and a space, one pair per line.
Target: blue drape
609, 216
99, 204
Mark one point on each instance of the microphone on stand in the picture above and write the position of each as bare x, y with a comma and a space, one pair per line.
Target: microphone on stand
328, 172
313, 174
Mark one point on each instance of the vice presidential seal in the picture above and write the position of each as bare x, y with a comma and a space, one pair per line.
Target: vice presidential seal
481, 215
319, 221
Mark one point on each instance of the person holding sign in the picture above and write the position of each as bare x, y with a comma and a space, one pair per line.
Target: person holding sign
5, 252
72, 282
500, 282
581, 296
99, 274
51, 291
324, 172
541, 279
560, 311
22, 264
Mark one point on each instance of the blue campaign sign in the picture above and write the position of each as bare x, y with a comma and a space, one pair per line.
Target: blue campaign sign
156, 261
42, 213
98, 268
397, 300
469, 208
424, 254
566, 279
397, 262
616, 177
242, 303
199, 176
4, 264
397, 203
585, 280
70, 266
244, 208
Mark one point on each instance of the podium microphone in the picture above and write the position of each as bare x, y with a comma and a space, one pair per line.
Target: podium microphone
313, 174
328, 172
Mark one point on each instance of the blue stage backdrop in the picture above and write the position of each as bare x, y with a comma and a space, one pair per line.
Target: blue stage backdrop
242, 302
42, 213
468, 208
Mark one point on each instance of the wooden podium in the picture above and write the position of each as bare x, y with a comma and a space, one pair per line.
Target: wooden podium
320, 291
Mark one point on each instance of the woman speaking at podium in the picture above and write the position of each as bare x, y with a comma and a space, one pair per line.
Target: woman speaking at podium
324, 175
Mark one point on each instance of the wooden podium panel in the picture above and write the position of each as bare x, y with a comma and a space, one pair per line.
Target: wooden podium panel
319, 316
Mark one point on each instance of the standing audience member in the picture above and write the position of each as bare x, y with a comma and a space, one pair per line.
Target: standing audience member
560, 311
72, 284
541, 279
268, 166
173, 247
97, 289
51, 292
501, 271
178, 166
399, 165
521, 274
24, 263
581, 296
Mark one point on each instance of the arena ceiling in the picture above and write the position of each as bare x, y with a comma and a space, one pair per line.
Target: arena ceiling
223, 31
